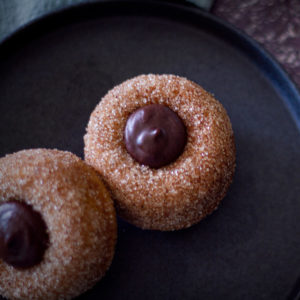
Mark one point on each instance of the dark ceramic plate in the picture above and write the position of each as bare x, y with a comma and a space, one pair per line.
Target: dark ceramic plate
54, 71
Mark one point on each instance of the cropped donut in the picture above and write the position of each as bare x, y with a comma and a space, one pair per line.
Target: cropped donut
57, 225
130, 134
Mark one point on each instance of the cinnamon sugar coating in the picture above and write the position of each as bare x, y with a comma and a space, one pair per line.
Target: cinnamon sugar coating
182, 193
80, 220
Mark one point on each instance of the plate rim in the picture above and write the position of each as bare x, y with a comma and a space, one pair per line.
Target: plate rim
273, 71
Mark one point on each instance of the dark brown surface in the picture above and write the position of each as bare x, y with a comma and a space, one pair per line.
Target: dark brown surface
274, 24
23, 235
155, 135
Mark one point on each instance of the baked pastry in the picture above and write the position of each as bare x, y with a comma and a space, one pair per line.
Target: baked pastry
129, 135
57, 225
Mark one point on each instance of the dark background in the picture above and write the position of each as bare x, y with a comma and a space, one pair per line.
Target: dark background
273, 23
249, 248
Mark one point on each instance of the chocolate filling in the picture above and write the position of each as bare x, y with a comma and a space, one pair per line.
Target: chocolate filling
23, 235
155, 135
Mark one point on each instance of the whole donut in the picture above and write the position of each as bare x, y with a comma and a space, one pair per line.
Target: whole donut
183, 192
80, 220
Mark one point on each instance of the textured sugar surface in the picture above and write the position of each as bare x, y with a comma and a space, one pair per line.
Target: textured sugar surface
182, 193
80, 218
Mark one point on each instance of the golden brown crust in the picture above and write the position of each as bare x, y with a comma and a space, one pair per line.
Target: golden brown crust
182, 193
80, 218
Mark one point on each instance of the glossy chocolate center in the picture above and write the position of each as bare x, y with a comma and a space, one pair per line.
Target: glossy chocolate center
23, 235
155, 135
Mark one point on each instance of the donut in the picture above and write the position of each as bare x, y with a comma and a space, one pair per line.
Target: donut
129, 136
57, 225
